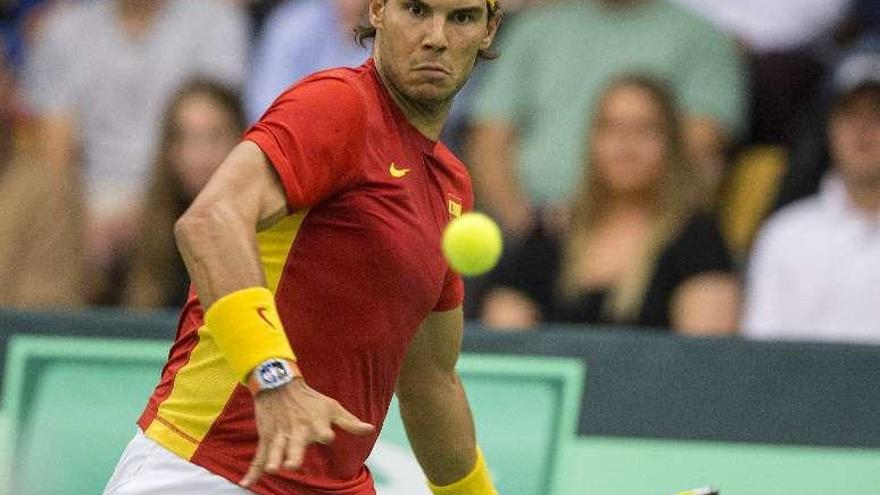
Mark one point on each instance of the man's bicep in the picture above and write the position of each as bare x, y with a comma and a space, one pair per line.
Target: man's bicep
247, 182
434, 350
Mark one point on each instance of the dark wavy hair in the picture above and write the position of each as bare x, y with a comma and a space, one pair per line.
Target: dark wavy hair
363, 33
156, 264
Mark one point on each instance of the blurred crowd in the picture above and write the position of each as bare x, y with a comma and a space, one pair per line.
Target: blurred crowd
697, 166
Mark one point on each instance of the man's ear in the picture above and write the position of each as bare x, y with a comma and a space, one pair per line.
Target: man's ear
377, 13
492, 30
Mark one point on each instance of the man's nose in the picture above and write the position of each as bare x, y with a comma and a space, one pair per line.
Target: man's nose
435, 38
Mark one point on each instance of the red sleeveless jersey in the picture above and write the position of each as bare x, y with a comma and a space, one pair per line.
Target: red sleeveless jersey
355, 269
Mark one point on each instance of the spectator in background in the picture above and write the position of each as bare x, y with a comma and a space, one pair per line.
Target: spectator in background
532, 109
787, 43
40, 256
809, 159
201, 126
767, 27
301, 37
815, 270
634, 250
99, 76
17, 18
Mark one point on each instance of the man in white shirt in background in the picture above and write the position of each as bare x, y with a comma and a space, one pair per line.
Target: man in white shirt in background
815, 270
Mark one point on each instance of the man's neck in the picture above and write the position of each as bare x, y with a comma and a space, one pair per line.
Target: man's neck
427, 117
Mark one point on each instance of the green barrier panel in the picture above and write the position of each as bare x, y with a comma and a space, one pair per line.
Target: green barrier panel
4, 451
642, 384
72, 405
525, 411
631, 466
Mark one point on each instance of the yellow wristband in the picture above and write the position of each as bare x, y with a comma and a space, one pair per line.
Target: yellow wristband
477, 482
247, 329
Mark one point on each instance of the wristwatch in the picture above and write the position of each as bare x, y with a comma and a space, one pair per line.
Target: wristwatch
272, 374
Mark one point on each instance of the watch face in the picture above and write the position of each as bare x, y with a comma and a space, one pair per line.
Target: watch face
274, 374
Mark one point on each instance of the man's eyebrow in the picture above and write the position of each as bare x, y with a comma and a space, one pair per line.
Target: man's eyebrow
468, 10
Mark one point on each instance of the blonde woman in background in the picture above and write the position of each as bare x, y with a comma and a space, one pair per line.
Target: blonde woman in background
203, 123
634, 247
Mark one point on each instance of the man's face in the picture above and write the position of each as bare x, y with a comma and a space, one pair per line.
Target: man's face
427, 48
855, 139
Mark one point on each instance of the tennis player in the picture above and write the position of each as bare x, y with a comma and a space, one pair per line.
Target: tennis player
319, 288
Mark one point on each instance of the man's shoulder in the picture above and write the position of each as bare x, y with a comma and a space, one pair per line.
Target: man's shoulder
335, 99
341, 84
794, 224
354, 76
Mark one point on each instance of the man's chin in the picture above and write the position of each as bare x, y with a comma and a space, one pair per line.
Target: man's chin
431, 93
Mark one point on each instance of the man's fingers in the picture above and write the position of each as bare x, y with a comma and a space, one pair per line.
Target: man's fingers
324, 435
257, 466
350, 423
276, 452
296, 449
252, 476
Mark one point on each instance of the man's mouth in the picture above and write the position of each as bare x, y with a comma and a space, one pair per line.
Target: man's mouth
434, 69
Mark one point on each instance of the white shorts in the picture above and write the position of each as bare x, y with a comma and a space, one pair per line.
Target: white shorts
146, 468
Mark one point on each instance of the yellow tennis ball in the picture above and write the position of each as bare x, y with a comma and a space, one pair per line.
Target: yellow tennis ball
472, 244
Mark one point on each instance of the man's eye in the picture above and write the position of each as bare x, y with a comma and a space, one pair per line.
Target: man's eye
463, 18
415, 9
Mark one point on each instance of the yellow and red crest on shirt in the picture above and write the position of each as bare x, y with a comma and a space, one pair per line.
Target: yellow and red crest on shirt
454, 205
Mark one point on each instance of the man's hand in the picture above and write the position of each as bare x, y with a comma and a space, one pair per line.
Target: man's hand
291, 418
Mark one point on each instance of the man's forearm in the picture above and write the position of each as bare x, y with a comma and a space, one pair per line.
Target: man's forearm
440, 428
220, 253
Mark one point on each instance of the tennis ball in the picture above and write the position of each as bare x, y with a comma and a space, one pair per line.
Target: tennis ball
472, 244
